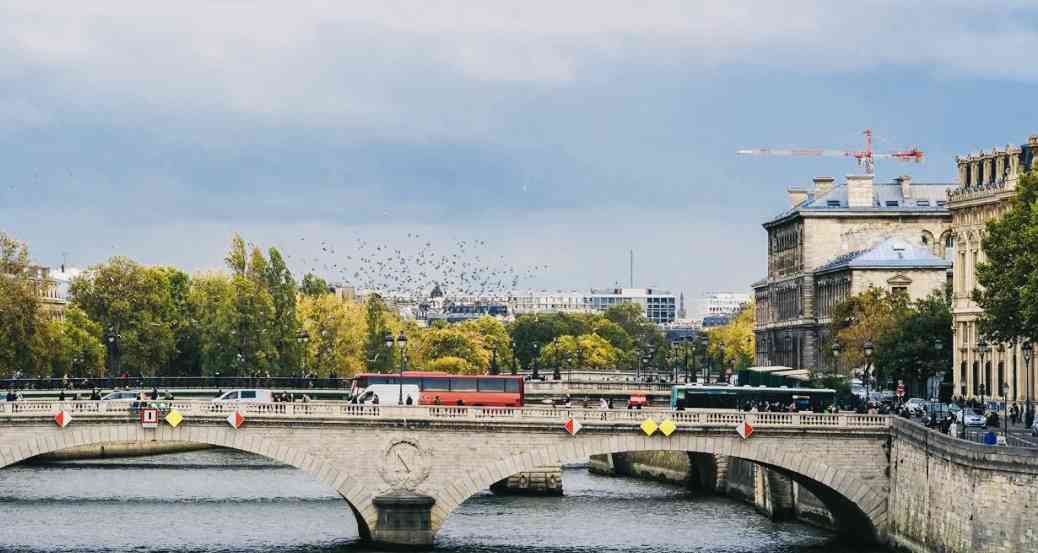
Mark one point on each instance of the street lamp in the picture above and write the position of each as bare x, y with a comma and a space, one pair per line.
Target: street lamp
1005, 409
536, 355
937, 347
720, 368
983, 348
493, 362
1028, 415
836, 357
112, 339
867, 347
401, 344
304, 338
388, 339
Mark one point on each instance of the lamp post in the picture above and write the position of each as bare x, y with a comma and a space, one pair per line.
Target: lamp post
1005, 409
695, 350
388, 339
112, 339
836, 357
536, 355
493, 362
867, 348
983, 348
962, 410
1028, 415
304, 338
401, 346
937, 347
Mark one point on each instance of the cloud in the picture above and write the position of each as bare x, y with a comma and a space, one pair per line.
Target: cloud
385, 64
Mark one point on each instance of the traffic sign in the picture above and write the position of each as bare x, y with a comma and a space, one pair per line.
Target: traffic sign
150, 418
235, 419
62, 419
572, 426
744, 429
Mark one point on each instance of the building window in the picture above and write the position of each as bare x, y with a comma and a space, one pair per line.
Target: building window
922, 203
833, 203
899, 290
891, 203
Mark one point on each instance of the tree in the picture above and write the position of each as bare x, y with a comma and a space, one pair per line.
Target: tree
313, 285
864, 317
20, 321
456, 342
644, 334
134, 304
493, 337
588, 351
73, 346
378, 356
735, 339
212, 310
452, 365
1008, 279
336, 338
285, 326
907, 351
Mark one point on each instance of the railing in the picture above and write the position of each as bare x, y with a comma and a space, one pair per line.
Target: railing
174, 382
556, 386
335, 411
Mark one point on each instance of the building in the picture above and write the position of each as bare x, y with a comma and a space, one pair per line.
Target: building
987, 183
660, 305
723, 304
837, 240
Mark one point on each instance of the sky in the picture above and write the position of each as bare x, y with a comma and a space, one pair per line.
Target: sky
563, 134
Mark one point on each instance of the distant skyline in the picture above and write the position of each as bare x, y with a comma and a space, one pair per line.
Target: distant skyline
560, 134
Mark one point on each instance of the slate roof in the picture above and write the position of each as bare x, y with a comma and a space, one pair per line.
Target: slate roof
925, 198
892, 253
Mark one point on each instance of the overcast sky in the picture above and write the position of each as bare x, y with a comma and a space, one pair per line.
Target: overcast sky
561, 133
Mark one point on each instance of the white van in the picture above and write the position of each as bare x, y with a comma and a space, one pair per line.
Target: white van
251, 395
388, 394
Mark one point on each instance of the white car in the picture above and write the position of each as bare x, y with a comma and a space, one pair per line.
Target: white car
916, 406
974, 417
123, 395
251, 395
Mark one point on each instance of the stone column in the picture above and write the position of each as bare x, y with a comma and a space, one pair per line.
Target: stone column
404, 519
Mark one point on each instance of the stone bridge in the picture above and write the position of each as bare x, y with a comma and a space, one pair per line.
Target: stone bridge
402, 470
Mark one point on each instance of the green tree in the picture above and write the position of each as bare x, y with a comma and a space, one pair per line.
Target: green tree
378, 356
493, 337
1008, 279
906, 352
588, 351
212, 309
313, 285
20, 322
864, 317
285, 326
334, 346
133, 303
454, 342
73, 346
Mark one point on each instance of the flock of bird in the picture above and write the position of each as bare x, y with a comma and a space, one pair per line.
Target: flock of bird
467, 268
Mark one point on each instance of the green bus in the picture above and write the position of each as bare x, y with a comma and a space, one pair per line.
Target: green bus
742, 398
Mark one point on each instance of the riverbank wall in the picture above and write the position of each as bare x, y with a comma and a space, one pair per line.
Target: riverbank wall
768, 491
110, 450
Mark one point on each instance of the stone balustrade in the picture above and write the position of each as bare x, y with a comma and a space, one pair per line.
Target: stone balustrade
334, 411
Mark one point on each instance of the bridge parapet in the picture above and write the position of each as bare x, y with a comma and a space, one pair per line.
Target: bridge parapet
333, 411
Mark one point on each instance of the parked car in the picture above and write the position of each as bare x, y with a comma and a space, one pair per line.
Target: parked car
973, 417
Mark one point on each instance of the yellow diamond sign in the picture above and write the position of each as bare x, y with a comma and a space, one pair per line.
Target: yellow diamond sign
649, 426
668, 427
174, 418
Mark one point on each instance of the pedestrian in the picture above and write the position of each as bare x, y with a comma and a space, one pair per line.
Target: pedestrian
61, 395
154, 393
409, 401
1014, 414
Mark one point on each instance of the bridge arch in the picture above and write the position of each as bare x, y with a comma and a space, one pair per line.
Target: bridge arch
859, 509
335, 477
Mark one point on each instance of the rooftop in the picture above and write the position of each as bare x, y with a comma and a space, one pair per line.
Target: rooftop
890, 253
926, 197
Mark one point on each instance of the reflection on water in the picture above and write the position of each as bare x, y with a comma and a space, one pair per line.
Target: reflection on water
226, 501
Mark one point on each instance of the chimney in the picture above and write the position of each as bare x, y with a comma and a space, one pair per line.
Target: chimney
797, 196
859, 191
906, 186
823, 185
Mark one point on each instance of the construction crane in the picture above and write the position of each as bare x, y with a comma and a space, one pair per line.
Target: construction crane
866, 158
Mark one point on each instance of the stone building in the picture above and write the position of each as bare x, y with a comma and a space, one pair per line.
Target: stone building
987, 182
840, 239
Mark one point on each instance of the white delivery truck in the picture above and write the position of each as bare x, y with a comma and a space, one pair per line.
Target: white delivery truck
251, 395
388, 394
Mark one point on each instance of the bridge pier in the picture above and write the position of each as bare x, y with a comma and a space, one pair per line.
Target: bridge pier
404, 520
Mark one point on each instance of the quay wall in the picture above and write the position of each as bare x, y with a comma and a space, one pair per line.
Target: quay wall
114, 450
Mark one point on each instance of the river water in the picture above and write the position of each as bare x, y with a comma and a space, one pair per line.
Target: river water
229, 502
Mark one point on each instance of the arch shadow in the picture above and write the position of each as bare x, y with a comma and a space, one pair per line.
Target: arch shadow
359, 502
859, 511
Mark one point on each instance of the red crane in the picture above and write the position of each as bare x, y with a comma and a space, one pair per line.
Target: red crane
866, 158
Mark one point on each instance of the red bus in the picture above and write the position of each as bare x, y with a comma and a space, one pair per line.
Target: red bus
437, 388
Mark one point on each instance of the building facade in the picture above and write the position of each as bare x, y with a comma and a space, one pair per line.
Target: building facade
838, 240
724, 303
660, 306
987, 182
